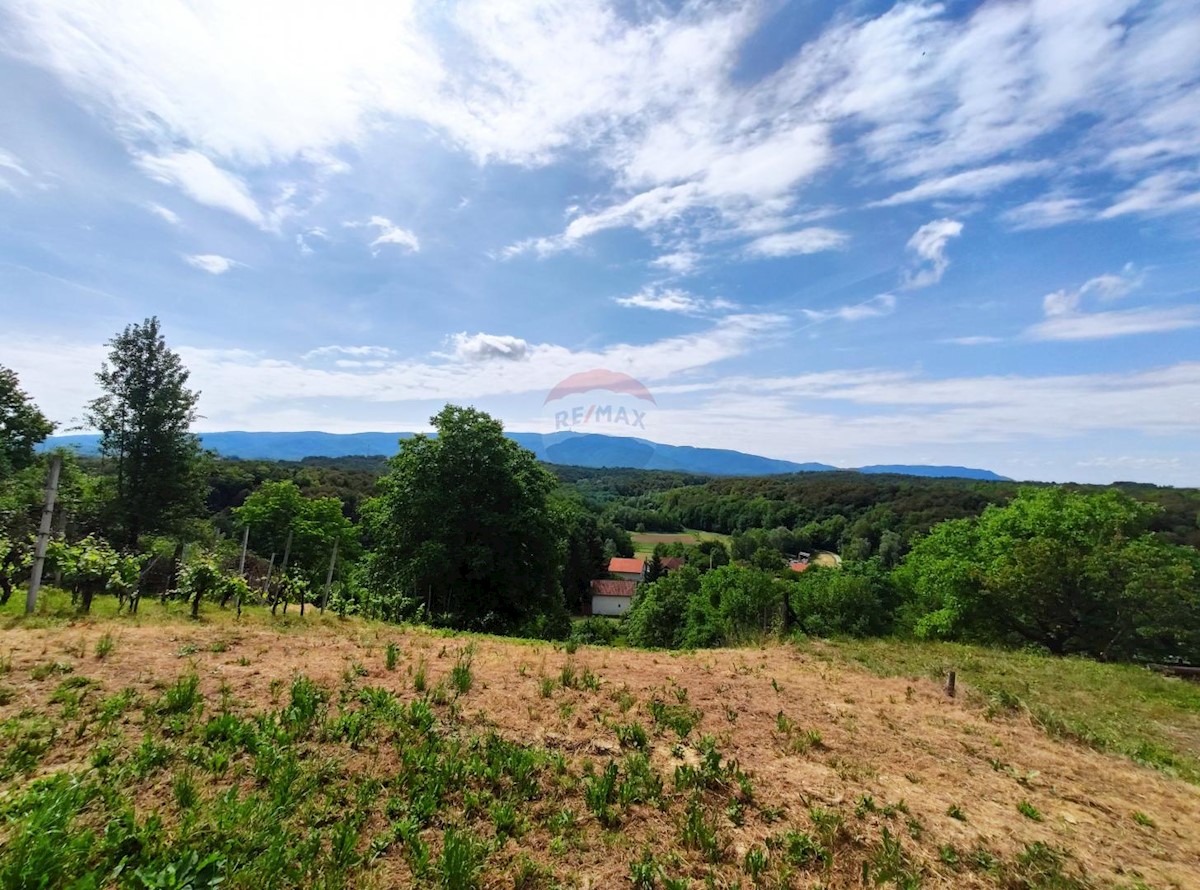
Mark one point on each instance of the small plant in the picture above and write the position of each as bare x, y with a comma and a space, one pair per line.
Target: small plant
644, 872
420, 680
1029, 811
568, 676
105, 646
461, 860
42, 671
391, 656
632, 735
955, 812
185, 790
182, 698
755, 864
599, 793
866, 804
700, 833
545, 687
460, 676
1142, 819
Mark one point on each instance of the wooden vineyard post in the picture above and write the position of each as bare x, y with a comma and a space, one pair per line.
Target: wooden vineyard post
43, 538
329, 576
242, 567
950, 678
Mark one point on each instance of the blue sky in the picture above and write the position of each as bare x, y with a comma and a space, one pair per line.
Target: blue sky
859, 233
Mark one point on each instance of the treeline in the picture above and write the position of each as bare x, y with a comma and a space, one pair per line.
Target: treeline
1066, 572
466, 529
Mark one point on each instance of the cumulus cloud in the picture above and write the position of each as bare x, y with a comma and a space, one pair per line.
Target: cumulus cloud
680, 262
672, 299
484, 347
801, 241
212, 263
928, 243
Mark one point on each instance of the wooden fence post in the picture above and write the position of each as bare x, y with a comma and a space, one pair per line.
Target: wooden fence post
43, 538
950, 683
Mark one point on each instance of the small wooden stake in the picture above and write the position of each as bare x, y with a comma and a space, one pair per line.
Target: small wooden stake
950, 683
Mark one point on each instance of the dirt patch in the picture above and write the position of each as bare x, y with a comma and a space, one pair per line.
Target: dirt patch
809, 733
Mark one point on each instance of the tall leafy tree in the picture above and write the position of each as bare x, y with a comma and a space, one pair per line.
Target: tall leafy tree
463, 525
144, 418
22, 425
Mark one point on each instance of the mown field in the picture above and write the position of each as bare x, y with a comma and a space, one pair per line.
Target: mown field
160, 752
645, 542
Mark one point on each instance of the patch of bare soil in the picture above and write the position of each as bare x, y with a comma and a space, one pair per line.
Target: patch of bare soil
808, 733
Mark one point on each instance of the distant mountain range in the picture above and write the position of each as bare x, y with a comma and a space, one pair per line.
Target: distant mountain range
572, 449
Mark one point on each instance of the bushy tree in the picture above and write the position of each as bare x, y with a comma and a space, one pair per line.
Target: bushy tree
315, 523
144, 417
463, 526
855, 599
584, 557
1072, 572
658, 614
22, 425
735, 603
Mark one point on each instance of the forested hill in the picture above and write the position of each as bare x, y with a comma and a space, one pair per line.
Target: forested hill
563, 448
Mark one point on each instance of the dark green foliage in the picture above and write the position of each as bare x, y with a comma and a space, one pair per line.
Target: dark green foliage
279, 509
1074, 573
463, 528
22, 425
856, 599
657, 615
144, 417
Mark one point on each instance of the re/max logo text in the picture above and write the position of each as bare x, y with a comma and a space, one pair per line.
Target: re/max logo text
580, 415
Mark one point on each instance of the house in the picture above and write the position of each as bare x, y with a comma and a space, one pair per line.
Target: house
798, 565
612, 597
671, 563
627, 569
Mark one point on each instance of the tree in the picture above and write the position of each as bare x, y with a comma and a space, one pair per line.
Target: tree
144, 419
1074, 573
22, 425
735, 603
854, 598
278, 509
463, 526
657, 616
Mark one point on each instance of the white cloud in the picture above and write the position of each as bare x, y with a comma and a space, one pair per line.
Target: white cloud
483, 347
389, 233
1171, 191
10, 162
968, 184
672, 299
883, 304
1045, 212
164, 213
681, 262
1066, 318
1072, 325
801, 241
373, 352
205, 182
929, 245
974, 340
212, 263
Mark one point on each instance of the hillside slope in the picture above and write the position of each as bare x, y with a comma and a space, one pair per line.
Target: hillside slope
770, 763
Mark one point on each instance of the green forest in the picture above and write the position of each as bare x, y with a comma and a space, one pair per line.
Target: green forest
465, 529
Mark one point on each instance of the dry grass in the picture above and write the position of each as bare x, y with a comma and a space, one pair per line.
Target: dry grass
812, 732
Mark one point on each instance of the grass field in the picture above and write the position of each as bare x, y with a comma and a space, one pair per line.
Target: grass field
644, 542
160, 752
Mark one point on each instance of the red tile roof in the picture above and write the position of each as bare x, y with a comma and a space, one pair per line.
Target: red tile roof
797, 565
614, 588
671, 563
626, 564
